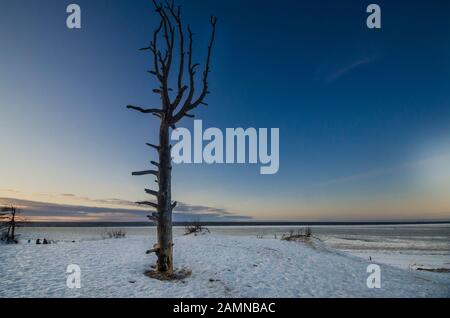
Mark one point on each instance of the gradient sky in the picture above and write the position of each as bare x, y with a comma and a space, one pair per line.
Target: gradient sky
364, 115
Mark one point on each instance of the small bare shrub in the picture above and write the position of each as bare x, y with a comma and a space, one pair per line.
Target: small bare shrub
114, 234
308, 232
195, 228
299, 236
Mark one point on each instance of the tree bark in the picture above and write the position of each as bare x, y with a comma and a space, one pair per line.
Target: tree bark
164, 225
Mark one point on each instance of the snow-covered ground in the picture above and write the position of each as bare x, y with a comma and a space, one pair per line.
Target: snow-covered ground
222, 266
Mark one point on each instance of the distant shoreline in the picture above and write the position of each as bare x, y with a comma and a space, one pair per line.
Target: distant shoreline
148, 224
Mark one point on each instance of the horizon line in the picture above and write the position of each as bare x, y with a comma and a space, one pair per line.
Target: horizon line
232, 223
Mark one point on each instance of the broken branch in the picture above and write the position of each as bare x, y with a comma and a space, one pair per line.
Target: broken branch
144, 173
153, 146
151, 192
145, 111
152, 204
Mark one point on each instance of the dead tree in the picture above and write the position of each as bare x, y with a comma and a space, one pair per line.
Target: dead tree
9, 222
175, 105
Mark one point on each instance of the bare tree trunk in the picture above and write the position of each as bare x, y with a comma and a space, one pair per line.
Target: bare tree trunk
164, 224
172, 111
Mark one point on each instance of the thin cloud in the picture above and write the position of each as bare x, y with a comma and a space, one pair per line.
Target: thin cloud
359, 176
181, 206
337, 73
378, 172
9, 190
36, 211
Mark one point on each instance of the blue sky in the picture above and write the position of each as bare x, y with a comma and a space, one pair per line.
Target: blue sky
364, 115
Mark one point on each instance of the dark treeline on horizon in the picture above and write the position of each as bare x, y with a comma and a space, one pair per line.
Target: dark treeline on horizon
147, 224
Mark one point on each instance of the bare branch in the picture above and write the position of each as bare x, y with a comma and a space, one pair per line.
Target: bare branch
207, 70
188, 105
166, 22
169, 36
154, 205
154, 163
153, 146
155, 249
153, 217
153, 49
151, 192
181, 88
145, 110
191, 69
144, 173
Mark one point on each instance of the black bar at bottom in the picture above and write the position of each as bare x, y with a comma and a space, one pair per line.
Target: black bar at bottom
212, 307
